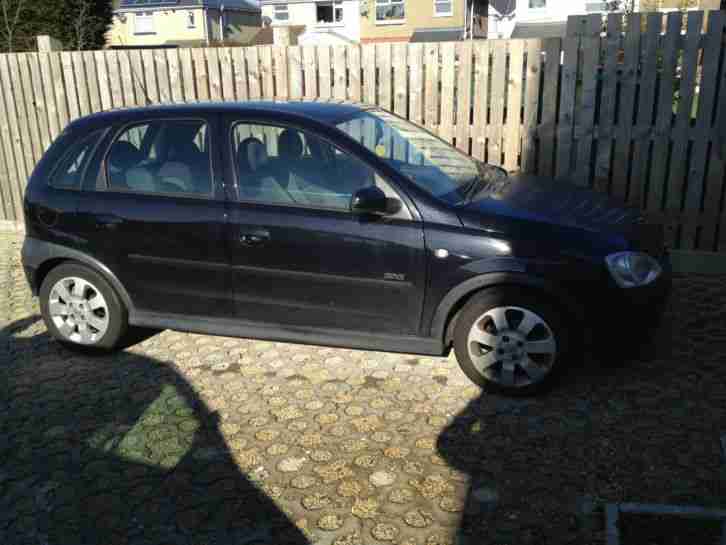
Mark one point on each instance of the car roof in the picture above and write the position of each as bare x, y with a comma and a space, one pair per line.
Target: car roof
327, 112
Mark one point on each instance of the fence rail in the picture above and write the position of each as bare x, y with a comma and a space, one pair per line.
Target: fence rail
637, 111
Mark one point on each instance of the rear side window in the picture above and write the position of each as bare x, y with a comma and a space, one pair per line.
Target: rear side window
70, 170
169, 157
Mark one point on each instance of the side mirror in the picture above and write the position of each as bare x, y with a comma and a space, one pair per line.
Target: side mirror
373, 201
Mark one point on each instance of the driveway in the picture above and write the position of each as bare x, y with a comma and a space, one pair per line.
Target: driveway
197, 439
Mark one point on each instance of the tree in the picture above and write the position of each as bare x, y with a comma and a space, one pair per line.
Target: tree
10, 17
78, 24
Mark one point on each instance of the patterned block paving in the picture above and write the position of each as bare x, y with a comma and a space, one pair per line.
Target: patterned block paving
197, 439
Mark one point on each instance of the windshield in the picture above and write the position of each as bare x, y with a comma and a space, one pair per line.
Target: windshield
433, 165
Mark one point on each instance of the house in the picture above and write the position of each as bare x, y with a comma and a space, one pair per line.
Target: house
327, 22
548, 18
370, 21
150, 23
422, 20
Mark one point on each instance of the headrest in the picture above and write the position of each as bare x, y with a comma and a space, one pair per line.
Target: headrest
124, 155
290, 144
251, 155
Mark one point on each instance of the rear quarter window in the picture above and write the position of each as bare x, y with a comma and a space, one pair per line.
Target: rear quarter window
70, 170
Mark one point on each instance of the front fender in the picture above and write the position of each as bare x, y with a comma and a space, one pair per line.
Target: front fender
460, 293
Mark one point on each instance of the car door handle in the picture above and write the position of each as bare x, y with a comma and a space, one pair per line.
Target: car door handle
108, 221
254, 238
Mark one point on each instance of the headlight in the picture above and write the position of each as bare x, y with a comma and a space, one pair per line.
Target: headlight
633, 269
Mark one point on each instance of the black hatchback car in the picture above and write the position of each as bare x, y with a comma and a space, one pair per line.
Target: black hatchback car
327, 223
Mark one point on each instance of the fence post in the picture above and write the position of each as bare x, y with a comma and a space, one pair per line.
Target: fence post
48, 43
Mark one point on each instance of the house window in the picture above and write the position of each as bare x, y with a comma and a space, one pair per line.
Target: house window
443, 8
330, 12
191, 20
595, 6
390, 10
537, 4
144, 23
282, 13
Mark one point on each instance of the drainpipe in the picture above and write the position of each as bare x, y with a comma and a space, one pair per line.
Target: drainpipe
206, 26
221, 23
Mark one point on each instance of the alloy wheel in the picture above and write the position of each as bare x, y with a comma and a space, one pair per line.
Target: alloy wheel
78, 310
512, 346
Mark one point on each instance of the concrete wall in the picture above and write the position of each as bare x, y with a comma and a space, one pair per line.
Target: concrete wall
419, 15
171, 27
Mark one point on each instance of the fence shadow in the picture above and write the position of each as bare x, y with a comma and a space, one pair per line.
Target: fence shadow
117, 449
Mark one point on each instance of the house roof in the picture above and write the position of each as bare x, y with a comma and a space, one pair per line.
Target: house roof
503, 7
539, 30
437, 35
246, 5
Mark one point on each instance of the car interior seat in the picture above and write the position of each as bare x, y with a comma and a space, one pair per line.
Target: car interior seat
122, 157
255, 177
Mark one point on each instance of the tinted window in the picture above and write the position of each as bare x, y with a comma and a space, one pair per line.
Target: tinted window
281, 165
69, 172
166, 157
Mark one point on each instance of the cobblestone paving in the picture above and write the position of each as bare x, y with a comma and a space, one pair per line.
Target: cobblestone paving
190, 439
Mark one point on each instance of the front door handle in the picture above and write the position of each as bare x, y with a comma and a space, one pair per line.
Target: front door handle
254, 238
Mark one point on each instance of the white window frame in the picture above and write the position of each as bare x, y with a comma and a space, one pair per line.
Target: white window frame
279, 9
191, 19
438, 13
336, 5
397, 21
147, 17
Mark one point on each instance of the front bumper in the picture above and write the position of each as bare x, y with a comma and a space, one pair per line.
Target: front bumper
30, 261
616, 314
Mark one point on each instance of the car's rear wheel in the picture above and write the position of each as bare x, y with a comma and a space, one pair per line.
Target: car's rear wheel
510, 341
81, 309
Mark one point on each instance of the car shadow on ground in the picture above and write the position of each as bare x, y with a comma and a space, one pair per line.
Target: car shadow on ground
117, 449
639, 423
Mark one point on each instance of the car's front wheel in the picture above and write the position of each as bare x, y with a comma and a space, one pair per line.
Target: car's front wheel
81, 309
510, 341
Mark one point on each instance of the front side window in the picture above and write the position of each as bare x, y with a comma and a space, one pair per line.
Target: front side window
165, 157
443, 8
70, 171
144, 23
282, 13
330, 12
537, 4
433, 165
390, 10
286, 166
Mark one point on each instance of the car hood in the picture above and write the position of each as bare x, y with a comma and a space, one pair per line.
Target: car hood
543, 200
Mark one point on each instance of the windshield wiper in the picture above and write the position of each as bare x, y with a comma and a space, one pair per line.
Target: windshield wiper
472, 188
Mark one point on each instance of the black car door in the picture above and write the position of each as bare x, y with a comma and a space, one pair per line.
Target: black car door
299, 256
157, 216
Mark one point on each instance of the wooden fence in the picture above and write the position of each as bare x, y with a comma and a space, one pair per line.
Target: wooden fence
631, 111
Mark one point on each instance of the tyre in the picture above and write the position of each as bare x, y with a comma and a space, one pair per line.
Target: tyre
510, 341
81, 309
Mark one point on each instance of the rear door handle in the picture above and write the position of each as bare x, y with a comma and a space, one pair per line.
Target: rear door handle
108, 221
254, 238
